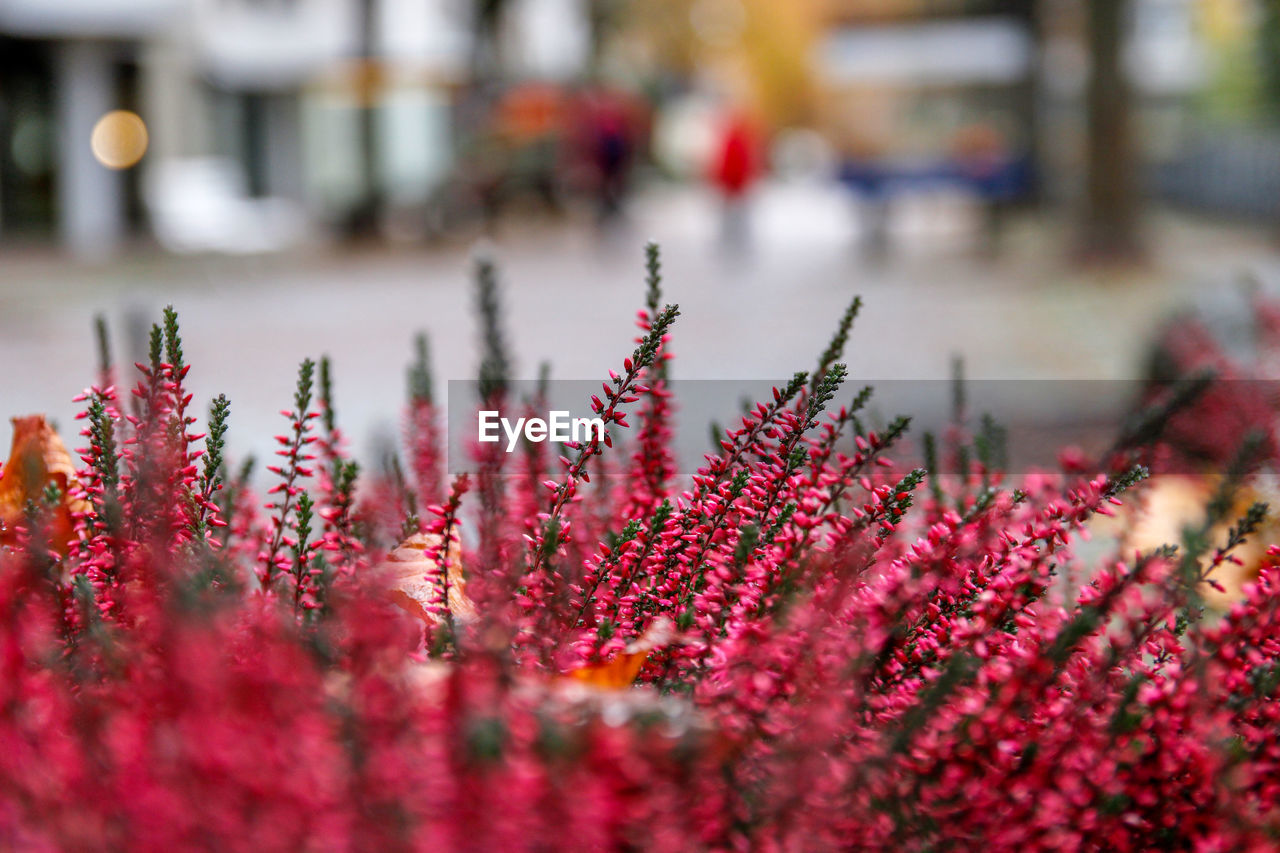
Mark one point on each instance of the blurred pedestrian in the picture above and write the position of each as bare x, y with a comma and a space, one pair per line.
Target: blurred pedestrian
735, 166
982, 159
530, 121
866, 172
611, 147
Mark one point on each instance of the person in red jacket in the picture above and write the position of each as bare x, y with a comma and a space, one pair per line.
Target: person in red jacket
735, 166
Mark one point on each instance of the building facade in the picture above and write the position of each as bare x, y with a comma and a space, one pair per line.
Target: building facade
268, 112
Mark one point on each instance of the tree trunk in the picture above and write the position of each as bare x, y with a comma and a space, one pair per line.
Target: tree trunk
365, 217
1110, 225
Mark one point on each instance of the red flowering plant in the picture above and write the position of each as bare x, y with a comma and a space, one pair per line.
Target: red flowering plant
802, 646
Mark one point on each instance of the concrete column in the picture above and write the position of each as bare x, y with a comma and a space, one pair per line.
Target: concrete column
172, 102
3, 123
90, 196
284, 146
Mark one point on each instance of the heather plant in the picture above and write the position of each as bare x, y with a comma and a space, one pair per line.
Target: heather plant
804, 645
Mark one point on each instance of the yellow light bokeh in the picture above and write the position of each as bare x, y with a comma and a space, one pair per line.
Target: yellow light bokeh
119, 139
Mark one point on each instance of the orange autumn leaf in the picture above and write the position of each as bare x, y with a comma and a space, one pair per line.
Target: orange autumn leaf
37, 459
413, 578
1172, 502
613, 674
621, 670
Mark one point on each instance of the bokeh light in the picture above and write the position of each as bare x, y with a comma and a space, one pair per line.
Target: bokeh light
119, 139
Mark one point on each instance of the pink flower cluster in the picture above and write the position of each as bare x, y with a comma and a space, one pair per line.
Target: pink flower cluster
816, 648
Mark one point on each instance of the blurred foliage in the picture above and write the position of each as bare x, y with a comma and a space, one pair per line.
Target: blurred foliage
1236, 63
756, 52
1269, 54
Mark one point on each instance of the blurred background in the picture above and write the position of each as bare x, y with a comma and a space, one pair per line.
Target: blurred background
1033, 185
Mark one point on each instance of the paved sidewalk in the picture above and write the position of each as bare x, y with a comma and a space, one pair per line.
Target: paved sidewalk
570, 296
